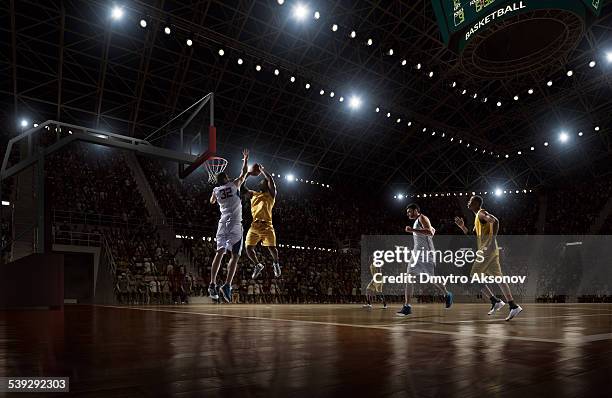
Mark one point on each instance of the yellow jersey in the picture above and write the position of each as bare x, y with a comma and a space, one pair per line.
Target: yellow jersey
484, 233
261, 206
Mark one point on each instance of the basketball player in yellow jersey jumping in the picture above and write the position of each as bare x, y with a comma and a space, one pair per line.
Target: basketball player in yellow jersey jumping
261, 230
486, 226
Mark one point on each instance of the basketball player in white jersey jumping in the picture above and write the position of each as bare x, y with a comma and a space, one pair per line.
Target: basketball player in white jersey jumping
422, 233
229, 231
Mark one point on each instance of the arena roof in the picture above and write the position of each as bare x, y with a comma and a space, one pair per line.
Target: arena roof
71, 61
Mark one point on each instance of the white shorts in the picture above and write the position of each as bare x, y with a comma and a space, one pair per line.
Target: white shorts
422, 268
229, 237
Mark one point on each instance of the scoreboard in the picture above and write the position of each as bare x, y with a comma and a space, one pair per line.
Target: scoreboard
459, 20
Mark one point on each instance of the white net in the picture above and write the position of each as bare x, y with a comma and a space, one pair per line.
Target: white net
214, 166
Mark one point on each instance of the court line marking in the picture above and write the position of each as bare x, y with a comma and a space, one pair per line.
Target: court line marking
390, 327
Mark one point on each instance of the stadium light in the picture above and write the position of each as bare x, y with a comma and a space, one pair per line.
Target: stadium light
143, 23
300, 11
353, 34
334, 27
280, 2
400, 196
592, 64
117, 13
370, 42
167, 30
221, 52
290, 177
240, 61
189, 42
530, 91
24, 123
276, 72
570, 73
498, 192
609, 56
550, 83
317, 15
355, 102
563, 137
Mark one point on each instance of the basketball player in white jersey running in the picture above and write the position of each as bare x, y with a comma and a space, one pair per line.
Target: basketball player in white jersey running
422, 233
229, 231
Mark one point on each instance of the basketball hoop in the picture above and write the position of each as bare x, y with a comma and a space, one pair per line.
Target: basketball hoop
214, 165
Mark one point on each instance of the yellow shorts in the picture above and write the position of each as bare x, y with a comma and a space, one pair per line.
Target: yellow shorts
374, 287
489, 266
261, 232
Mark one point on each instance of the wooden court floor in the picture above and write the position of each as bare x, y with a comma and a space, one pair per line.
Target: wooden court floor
550, 350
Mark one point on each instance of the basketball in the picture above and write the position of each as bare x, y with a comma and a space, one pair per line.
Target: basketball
255, 169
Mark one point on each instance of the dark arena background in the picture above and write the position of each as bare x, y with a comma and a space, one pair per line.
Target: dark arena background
371, 127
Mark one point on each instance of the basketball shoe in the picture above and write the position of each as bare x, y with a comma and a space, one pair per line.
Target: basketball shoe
213, 293
495, 306
277, 269
514, 312
257, 270
406, 310
226, 292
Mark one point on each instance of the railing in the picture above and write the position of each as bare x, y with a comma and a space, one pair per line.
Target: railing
105, 220
77, 238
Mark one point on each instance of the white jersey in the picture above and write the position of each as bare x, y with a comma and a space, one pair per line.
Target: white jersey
228, 198
421, 242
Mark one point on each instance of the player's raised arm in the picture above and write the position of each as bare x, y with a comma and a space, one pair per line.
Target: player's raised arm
213, 198
270, 181
245, 169
461, 224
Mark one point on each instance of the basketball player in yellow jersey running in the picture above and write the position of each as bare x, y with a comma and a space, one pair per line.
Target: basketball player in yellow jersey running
374, 288
261, 230
486, 226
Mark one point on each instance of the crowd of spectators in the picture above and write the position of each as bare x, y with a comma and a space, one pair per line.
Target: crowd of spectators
92, 179
574, 208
